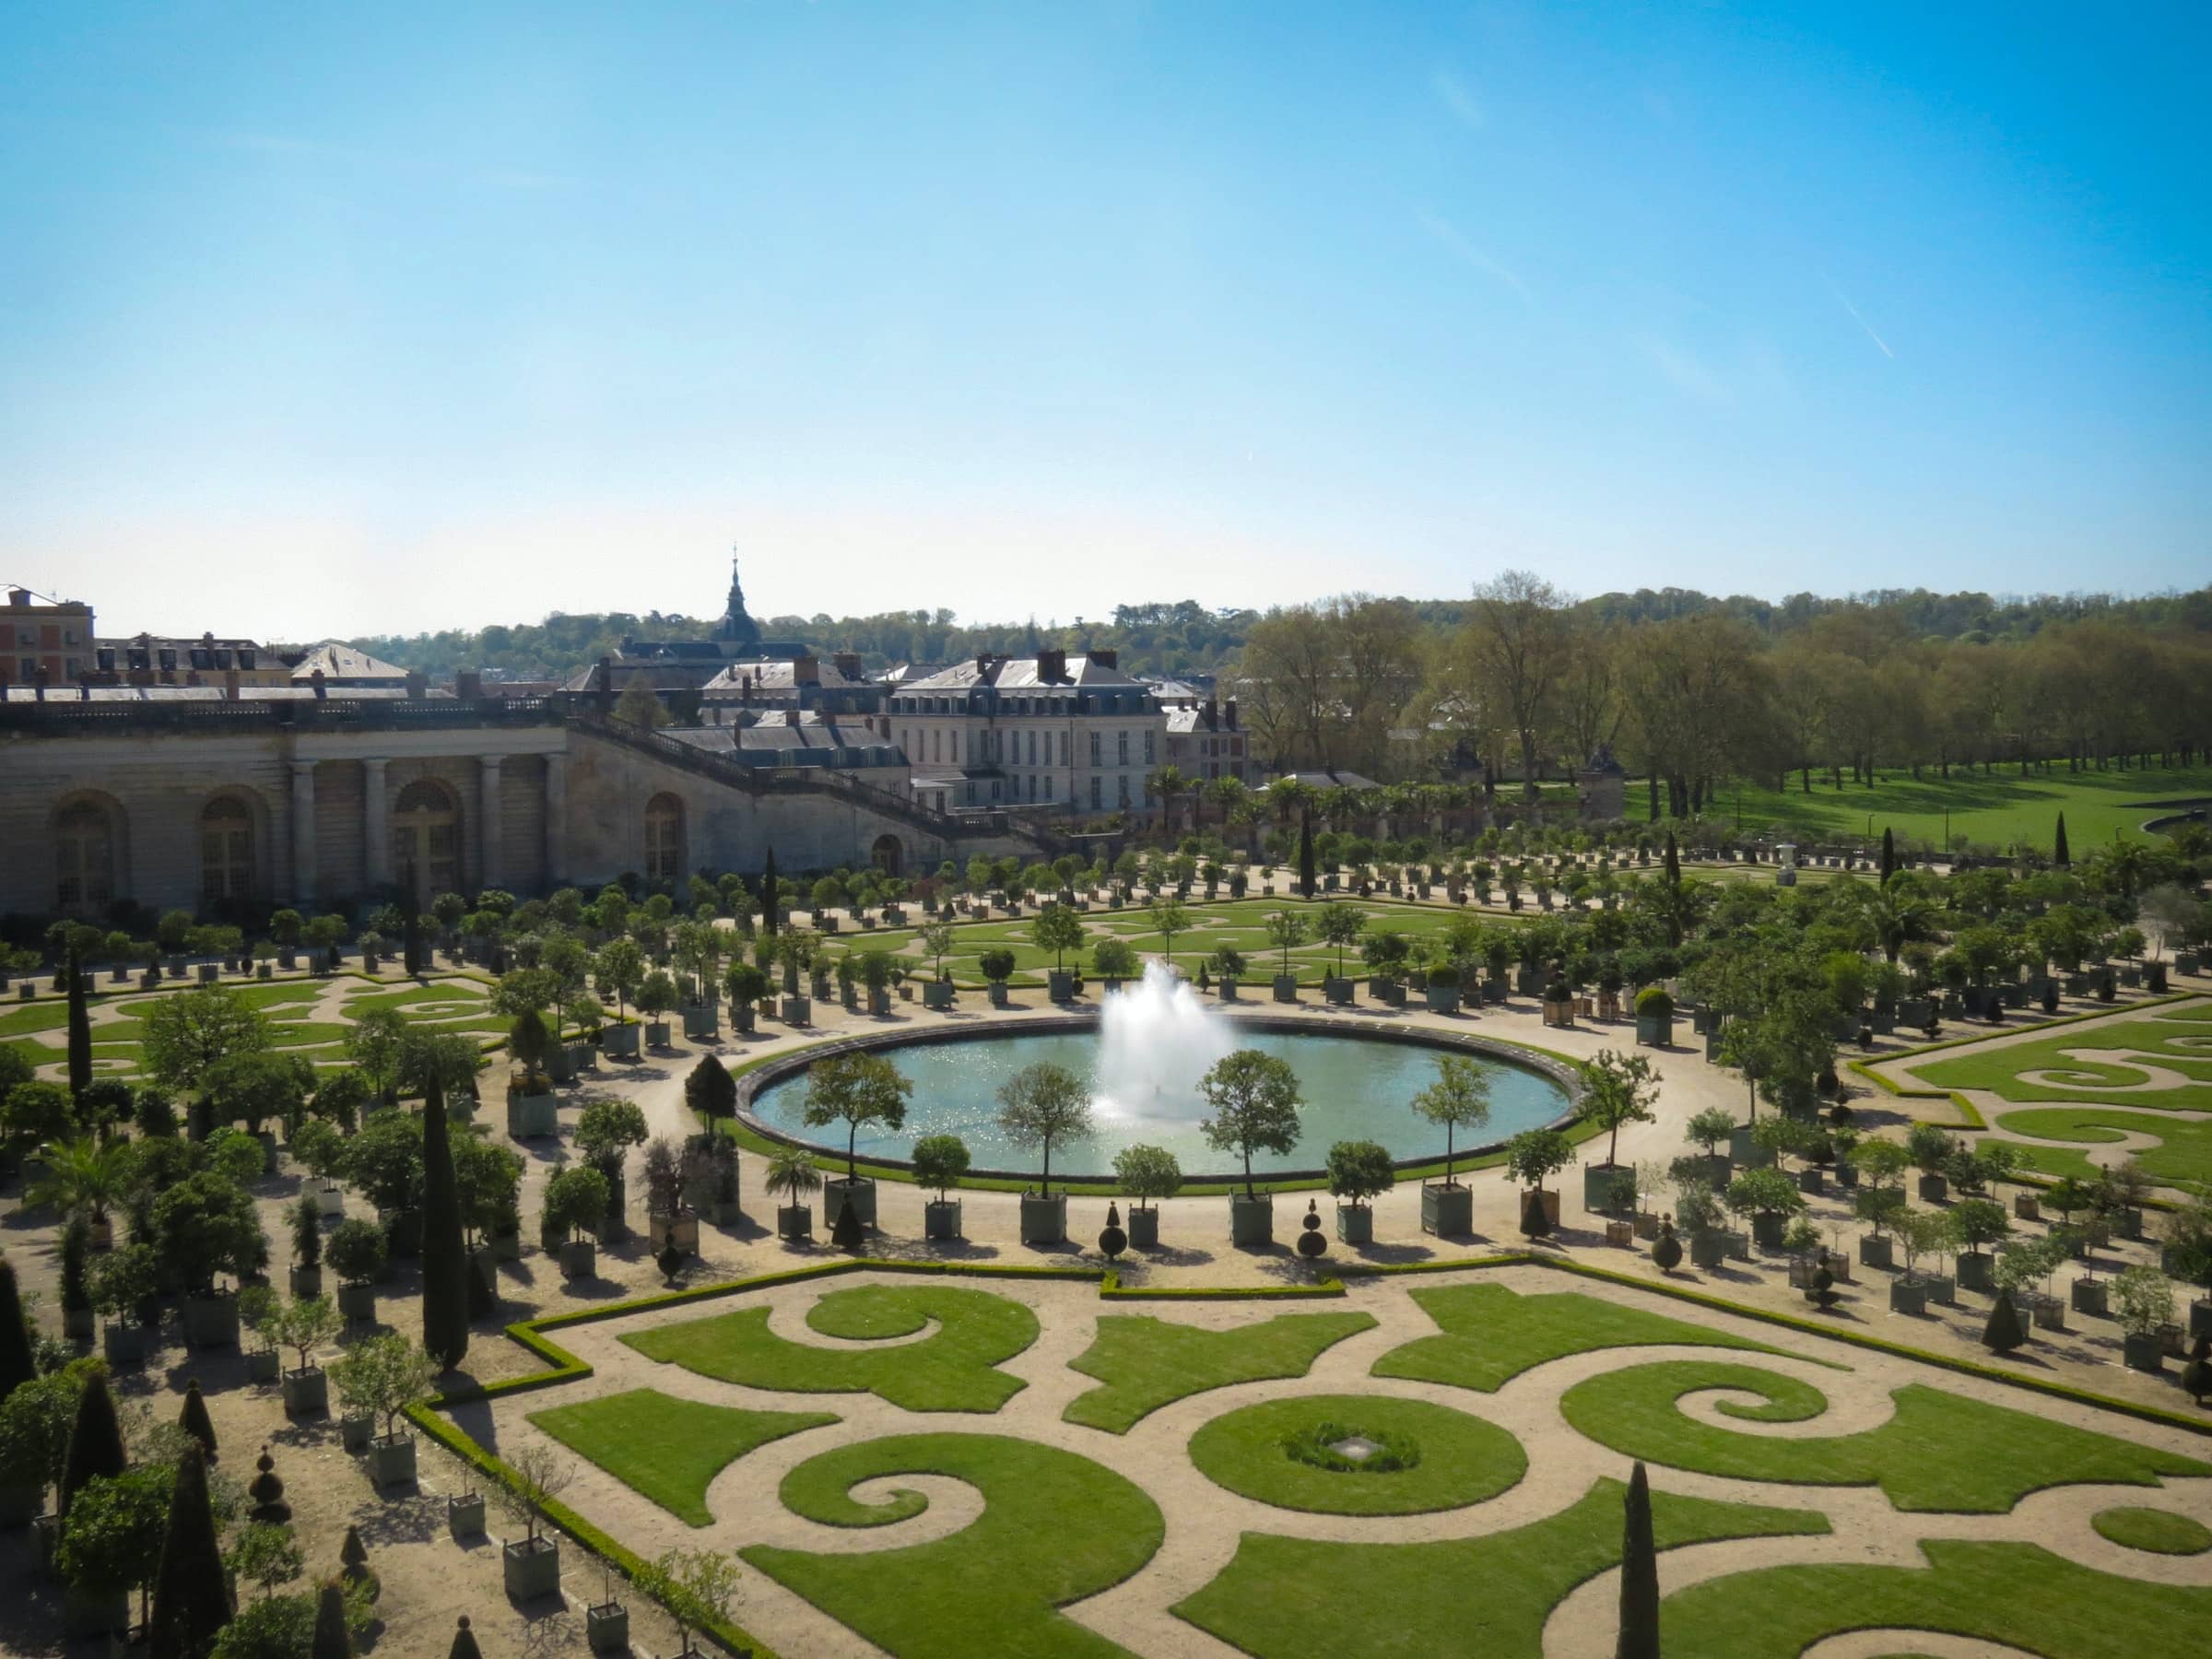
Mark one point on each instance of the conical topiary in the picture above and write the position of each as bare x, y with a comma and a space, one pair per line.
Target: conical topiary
2059, 854
845, 1232
1667, 1250
19, 1363
2197, 1376
670, 1260
1112, 1241
2003, 1333
1535, 1220
1639, 1636
192, 1595
194, 1419
95, 1440
1305, 854
353, 1555
444, 1255
1888, 854
332, 1639
266, 1489
464, 1643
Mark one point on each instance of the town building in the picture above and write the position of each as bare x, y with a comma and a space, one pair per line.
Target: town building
839, 687
42, 639
151, 660
678, 667
1204, 741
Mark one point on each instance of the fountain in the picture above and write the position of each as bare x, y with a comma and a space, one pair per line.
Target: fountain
1155, 1040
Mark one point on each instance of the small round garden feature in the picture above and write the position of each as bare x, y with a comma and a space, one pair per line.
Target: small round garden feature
1358, 1455
2161, 1532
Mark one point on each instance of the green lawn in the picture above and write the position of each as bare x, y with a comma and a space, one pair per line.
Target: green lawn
1055, 1528
1492, 1334
2176, 1039
2182, 1159
1939, 1451
1999, 809
1461, 1459
2016, 1595
949, 1370
670, 1450
1294, 1598
2161, 1532
1144, 1363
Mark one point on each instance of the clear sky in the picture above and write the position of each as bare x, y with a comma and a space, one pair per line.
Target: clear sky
327, 320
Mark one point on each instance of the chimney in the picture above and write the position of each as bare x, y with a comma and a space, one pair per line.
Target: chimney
417, 686
19, 597
604, 683
230, 685
1213, 715
1051, 666
791, 717
806, 671
1228, 713
982, 663
316, 680
848, 664
1106, 658
468, 685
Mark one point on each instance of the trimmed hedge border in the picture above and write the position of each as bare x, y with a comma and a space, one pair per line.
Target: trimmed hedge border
1110, 1289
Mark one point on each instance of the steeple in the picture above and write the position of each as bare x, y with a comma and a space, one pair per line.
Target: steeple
737, 626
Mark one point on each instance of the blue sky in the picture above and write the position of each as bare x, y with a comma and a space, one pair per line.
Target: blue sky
319, 320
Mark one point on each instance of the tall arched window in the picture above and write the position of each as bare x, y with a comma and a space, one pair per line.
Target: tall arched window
226, 852
664, 839
84, 845
426, 840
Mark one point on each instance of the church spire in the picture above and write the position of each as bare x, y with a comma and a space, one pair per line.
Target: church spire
737, 625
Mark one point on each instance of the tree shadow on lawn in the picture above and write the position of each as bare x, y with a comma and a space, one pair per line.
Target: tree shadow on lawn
1387, 1255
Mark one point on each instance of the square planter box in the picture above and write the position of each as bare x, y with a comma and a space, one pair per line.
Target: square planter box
1337, 991
306, 1392
941, 1218
607, 1627
1907, 1296
1447, 1211
936, 994
1597, 1184
465, 1516
580, 1258
1812, 1181
1144, 1228
795, 1221
1934, 1188
1767, 1229
1250, 1220
682, 1230
656, 1033
699, 1022
1872, 1252
331, 1201
2090, 1296
619, 1042
1743, 1153
1942, 1290
1621, 1234
2200, 1318
996, 992
1355, 1224
532, 1117
1977, 1272
1286, 987
1655, 1030
2050, 1313
392, 1462
79, 1325
744, 1021
532, 1568
2144, 1352
263, 1364
2027, 1207
796, 1010
860, 1192
305, 1281
1739, 1246
210, 1321
125, 1344
358, 1302
1044, 1221
1060, 986
1647, 1224
1442, 999
879, 1001
1708, 1249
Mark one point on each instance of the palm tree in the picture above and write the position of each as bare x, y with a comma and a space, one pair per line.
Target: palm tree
84, 1176
1898, 920
1228, 795
1167, 783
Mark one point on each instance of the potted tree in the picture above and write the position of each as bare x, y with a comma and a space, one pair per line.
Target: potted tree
1148, 1174
318, 1144
575, 1202
531, 1564
1228, 964
1709, 1128
935, 939
1442, 988
605, 1134
1359, 1170
1918, 1231
304, 1324
1617, 1088
2145, 1302
77, 1321
940, 1161
1285, 932
999, 968
532, 1109
1769, 1198
1041, 1104
857, 1091
358, 1251
1697, 1213
875, 974
792, 1172
619, 972
1971, 1223
1879, 1199
1059, 930
1930, 1149
206, 1224
698, 1587
668, 1220
656, 995
1255, 1101
1338, 925
1534, 1154
306, 1220
257, 1306
379, 1378
1460, 1098
1114, 960
125, 1285
749, 987
1654, 1018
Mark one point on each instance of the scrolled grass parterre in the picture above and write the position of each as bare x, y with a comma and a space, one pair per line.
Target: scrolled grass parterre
2181, 1159
1278, 1452
951, 1369
1294, 1598
2018, 1594
2161, 1532
1938, 1450
1055, 1527
667, 1448
1142, 1364
2170, 1038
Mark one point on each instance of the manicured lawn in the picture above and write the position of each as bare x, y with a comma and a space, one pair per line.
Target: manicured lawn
1493, 1334
670, 1450
949, 1370
1144, 1363
1055, 1527
1998, 809
1939, 1451
1294, 1598
2159, 1531
2013, 1594
2181, 1159
2177, 1039
1462, 1459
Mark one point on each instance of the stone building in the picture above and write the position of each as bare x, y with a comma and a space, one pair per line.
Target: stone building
1601, 788
1204, 741
838, 688
678, 666
160, 660
231, 800
44, 639
1071, 733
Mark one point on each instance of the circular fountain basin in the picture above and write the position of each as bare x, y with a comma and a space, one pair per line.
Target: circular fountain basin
1355, 1085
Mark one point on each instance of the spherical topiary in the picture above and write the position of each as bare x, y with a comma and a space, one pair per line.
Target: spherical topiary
1652, 1000
1667, 1250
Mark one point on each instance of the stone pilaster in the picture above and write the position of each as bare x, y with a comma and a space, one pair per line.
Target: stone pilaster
376, 827
303, 833
490, 818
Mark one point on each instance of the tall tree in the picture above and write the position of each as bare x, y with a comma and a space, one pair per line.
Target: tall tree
18, 1360
191, 1596
2061, 855
1638, 1574
769, 895
95, 1440
444, 1255
1888, 854
1305, 855
193, 1419
80, 1028
1515, 645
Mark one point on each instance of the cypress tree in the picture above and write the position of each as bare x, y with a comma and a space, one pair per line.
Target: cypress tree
193, 1420
1535, 1220
19, 1363
2060, 855
464, 1643
709, 1091
846, 1233
1674, 861
353, 1555
191, 1599
2003, 1333
1639, 1575
1305, 854
444, 1258
331, 1640
1888, 854
413, 955
80, 1030
768, 895
2197, 1376
95, 1440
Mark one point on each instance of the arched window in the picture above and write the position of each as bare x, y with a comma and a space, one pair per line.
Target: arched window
664, 839
84, 845
226, 852
426, 840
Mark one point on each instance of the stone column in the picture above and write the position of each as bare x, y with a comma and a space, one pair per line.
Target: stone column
304, 832
489, 817
556, 820
376, 827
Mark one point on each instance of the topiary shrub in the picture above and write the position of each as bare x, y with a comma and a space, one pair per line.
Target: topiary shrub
1653, 1000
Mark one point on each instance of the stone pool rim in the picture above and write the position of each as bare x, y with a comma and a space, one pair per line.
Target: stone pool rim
778, 1069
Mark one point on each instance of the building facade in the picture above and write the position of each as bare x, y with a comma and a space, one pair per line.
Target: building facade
1206, 743
44, 641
